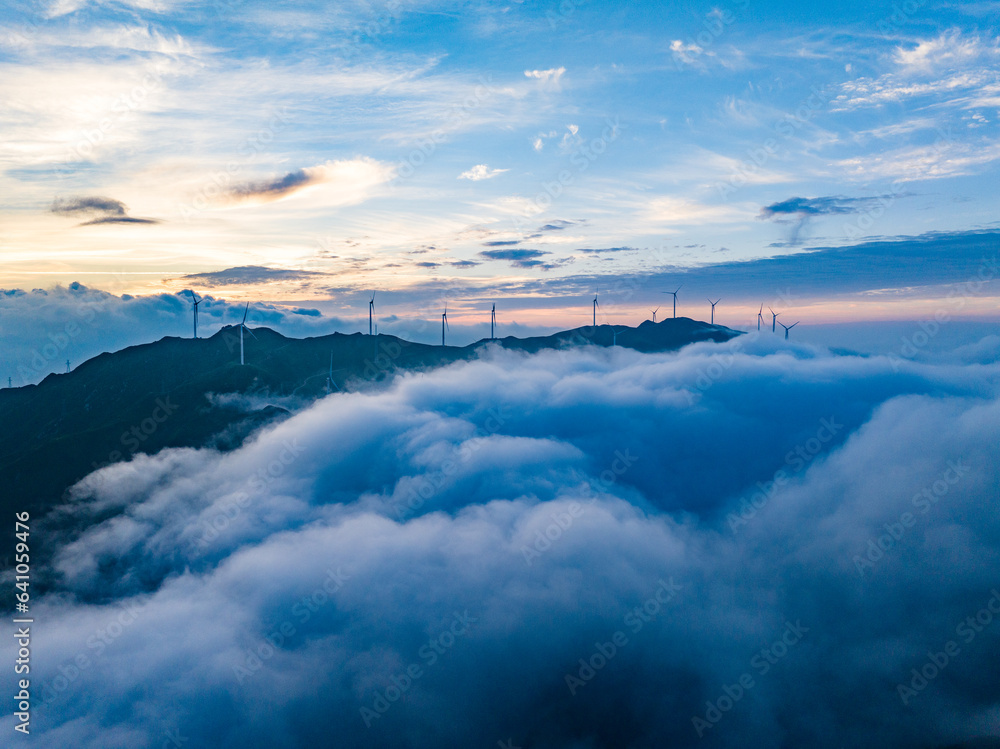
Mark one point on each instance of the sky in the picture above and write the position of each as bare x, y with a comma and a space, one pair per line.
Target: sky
763, 542
299, 155
582, 548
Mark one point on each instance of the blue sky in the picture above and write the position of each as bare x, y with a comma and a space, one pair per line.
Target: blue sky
418, 147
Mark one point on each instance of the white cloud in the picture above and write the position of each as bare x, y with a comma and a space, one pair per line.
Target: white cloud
891, 88
682, 211
64, 7
686, 53
945, 158
481, 172
570, 138
952, 68
539, 142
552, 75
950, 49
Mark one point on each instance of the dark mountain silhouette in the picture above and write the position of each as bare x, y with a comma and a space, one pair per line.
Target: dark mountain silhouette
156, 395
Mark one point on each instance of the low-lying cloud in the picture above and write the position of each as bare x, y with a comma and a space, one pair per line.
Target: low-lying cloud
723, 547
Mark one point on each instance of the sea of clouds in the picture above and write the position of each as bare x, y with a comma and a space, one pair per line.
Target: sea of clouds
746, 544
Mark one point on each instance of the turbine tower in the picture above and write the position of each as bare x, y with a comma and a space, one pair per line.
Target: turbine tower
675, 298
371, 312
760, 316
493, 322
654, 311
713, 308
243, 326
329, 377
197, 301
788, 327
596, 305
444, 323
614, 336
774, 319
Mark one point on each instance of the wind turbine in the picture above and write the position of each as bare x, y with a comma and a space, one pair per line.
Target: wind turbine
675, 298
760, 316
330, 384
493, 322
774, 319
788, 327
444, 323
371, 312
713, 308
197, 301
614, 336
243, 326
596, 305
654, 311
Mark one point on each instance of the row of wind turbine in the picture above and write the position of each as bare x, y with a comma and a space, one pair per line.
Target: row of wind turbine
774, 321
195, 301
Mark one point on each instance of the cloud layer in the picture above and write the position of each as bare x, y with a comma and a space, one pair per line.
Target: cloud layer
586, 548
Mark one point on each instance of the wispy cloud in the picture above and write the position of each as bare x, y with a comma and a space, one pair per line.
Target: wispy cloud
951, 68
481, 172
351, 179
59, 8
946, 158
552, 75
949, 49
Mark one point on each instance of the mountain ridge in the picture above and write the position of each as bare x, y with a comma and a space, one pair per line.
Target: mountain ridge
150, 396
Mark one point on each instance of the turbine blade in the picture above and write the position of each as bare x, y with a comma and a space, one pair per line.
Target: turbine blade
245, 311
